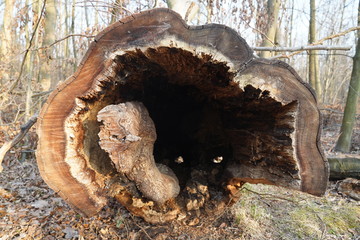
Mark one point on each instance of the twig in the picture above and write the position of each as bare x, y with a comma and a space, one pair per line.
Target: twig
302, 48
62, 39
142, 229
23, 130
106, 5
269, 195
39, 94
335, 111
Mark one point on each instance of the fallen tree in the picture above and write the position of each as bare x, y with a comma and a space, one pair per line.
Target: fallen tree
171, 120
344, 166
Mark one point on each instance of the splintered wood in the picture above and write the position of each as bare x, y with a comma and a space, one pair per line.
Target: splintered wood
128, 135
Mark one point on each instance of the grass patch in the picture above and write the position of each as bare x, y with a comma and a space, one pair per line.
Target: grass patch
265, 212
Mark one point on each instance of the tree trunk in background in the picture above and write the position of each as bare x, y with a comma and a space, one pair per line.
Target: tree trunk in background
115, 12
47, 81
72, 31
86, 15
66, 43
314, 76
273, 7
187, 9
178, 6
29, 71
6, 37
344, 141
209, 11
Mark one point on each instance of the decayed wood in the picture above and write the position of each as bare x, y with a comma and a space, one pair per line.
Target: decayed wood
23, 130
228, 116
128, 135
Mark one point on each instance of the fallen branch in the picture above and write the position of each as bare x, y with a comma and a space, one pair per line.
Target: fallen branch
342, 167
302, 48
319, 42
23, 130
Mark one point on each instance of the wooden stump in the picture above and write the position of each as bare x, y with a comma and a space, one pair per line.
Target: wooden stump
171, 120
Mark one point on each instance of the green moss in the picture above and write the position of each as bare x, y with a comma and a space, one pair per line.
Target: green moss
305, 223
270, 212
342, 220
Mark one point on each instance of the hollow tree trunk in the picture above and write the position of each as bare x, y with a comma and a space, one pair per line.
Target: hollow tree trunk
171, 120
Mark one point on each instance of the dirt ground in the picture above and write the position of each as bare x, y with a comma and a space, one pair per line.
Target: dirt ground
29, 209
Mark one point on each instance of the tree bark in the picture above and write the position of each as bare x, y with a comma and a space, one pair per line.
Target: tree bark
115, 12
186, 9
7, 36
72, 31
47, 80
344, 142
273, 7
28, 68
220, 117
314, 71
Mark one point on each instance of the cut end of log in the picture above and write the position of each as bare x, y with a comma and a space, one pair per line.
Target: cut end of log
171, 122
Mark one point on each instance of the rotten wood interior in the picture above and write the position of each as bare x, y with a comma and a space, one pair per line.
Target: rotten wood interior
172, 130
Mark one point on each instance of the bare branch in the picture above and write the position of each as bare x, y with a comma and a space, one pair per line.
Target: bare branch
42, 93
321, 41
303, 48
62, 39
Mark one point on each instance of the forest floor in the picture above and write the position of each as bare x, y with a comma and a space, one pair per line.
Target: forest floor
29, 209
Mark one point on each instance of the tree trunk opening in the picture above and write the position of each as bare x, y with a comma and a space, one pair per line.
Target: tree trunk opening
172, 126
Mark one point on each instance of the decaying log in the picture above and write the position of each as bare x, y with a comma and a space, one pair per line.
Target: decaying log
342, 167
196, 101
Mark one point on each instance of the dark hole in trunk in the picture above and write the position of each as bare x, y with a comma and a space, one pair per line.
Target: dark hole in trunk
190, 130
209, 130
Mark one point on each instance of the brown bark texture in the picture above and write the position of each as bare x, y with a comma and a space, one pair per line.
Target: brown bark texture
172, 119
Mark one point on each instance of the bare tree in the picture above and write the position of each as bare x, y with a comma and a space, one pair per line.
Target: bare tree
314, 75
273, 7
7, 36
47, 81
